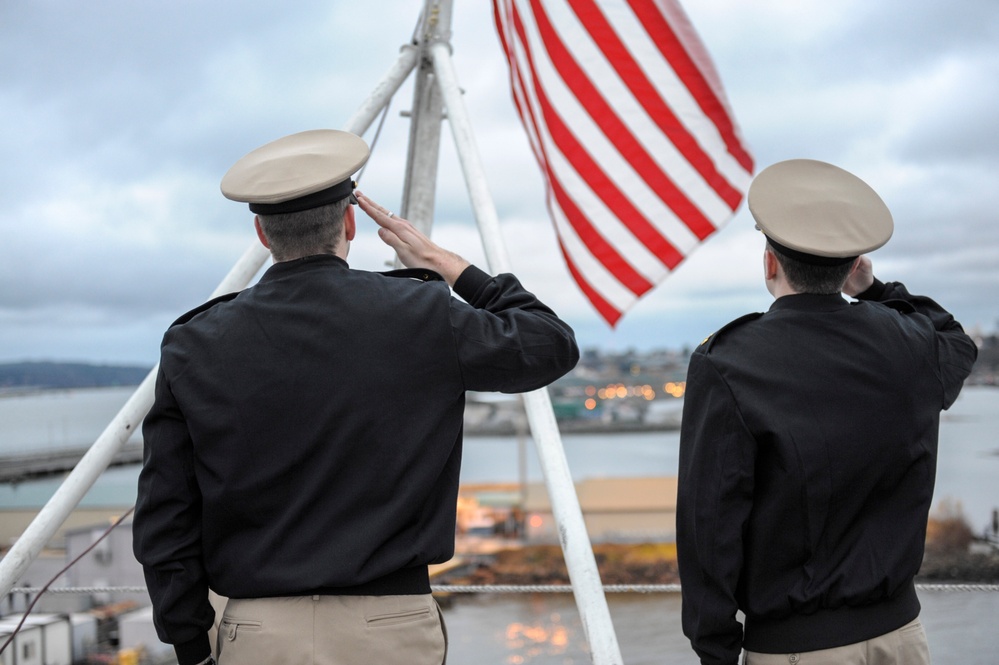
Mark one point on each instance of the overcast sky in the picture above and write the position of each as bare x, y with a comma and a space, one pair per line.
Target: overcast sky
119, 118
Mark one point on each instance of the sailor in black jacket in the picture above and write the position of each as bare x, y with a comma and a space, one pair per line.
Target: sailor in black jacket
809, 441
305, 441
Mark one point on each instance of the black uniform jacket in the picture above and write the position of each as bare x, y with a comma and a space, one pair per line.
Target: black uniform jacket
306, 433
807, 460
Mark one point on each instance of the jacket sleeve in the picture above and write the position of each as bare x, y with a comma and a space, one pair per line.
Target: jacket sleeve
507, 340
714, 500
956, 351
167, 530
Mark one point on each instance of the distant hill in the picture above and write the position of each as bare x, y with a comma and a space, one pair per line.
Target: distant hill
37, 375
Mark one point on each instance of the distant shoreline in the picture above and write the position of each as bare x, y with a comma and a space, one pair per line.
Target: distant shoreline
575, 427
655, 563
34, 376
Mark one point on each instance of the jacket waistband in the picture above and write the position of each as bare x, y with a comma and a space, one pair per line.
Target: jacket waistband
829, 628
404, 582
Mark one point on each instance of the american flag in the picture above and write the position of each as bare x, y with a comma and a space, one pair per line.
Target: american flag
627, 118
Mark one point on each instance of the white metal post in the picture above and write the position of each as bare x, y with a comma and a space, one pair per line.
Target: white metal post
383, 91
121, 427
578, 552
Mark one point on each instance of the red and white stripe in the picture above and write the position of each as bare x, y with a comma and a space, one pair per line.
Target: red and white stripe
627, 119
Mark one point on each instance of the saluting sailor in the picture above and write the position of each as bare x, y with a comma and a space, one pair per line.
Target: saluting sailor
809, 441
302, 454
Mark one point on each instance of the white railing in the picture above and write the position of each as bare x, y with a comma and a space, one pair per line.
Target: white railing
507, 588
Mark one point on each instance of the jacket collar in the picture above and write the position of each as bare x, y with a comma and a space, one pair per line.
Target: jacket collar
810, 302
285, 268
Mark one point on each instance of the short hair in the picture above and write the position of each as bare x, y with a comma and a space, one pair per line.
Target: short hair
295, 234
810, 278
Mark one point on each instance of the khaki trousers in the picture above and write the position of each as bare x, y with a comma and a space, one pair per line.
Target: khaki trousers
905, 646
332, 630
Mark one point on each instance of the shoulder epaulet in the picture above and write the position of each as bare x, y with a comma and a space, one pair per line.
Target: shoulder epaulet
184, 318
419, 274
710, 339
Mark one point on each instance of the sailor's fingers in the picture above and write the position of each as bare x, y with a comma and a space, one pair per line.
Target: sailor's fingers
395, 231
414, 249
380, 214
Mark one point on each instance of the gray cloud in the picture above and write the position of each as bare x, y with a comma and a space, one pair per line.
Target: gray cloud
120, 118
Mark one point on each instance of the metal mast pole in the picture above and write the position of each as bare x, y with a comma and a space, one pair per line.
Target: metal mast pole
576, 548
426, 114
121, 427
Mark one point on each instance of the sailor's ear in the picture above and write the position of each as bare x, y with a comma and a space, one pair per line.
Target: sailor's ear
349, 223
260, 232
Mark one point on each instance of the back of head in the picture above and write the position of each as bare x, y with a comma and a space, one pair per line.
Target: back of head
805, 277
314, 231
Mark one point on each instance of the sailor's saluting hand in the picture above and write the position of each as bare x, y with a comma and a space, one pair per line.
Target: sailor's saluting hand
861, 277
415, 250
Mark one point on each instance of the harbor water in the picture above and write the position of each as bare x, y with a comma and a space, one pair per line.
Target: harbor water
544, 629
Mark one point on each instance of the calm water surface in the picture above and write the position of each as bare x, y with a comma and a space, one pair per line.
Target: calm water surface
967, 470
544, 629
